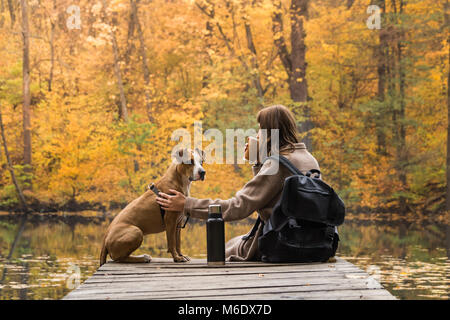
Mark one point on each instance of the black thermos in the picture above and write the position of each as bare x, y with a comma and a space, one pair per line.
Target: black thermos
215, 236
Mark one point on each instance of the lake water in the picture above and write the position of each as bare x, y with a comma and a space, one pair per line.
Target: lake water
45, 258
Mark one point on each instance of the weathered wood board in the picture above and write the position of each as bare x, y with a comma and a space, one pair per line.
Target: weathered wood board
164, 279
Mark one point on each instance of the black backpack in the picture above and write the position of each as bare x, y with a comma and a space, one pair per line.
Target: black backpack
302, 227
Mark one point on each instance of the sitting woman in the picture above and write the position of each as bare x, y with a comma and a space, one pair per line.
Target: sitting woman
259, 194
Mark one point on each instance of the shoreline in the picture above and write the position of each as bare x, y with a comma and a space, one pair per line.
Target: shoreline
96, 216
74, 206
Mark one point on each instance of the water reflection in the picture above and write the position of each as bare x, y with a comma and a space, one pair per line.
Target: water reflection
36, 254
411, 261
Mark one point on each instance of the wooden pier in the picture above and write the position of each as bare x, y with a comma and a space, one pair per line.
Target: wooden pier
164, 279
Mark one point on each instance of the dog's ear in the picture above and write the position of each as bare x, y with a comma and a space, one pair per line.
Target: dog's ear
182, 156
201, 153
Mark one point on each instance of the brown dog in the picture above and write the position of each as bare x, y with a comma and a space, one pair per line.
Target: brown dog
143, 216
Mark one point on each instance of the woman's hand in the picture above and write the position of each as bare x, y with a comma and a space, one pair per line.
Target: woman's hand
173, 202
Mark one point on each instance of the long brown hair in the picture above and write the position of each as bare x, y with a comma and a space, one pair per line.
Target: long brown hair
281, 118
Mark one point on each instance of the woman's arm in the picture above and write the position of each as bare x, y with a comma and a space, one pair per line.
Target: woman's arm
253, 196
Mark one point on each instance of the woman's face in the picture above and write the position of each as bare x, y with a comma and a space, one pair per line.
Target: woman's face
262, 137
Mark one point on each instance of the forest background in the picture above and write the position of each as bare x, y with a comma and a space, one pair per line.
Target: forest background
91, 91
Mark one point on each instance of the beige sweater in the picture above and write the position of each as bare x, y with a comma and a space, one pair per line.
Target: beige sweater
259, 194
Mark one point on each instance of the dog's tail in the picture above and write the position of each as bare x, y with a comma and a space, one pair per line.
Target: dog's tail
104, 252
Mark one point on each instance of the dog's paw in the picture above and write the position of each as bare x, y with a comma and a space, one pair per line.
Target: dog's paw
185, 257
181, 259
147, 258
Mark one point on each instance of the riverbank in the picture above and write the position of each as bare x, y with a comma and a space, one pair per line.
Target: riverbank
36, 204
103, 215
70, 218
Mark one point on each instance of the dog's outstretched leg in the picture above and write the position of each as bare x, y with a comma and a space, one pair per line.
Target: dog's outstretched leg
171, 233
178, 244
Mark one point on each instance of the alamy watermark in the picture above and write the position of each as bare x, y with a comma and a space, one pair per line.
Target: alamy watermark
74, 276
371, 278
214, 151
373, 281
74, 20
374, 20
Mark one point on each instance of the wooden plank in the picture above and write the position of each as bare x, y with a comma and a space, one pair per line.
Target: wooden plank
224, 283
185, 288
180, 277
197, 276
375, 294
202, 262
206, 277
116, 268
189, 265
220, 271
164, 279
135, 293
195, 263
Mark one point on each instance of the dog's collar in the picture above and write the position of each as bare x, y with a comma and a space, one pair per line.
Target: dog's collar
152, 187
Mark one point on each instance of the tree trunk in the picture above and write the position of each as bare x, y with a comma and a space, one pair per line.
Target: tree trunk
254, 58
11, 169
279, 41
380, 57
208, 42
297, 82
447, 23
399, 118
130, 44
143, 53
2, 18
52, 49
26, 85
11, 12
294, 63
123, 110
401, 135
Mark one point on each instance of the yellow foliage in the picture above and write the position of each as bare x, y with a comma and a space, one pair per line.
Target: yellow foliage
201, 68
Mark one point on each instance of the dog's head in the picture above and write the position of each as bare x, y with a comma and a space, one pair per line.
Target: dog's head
190, 163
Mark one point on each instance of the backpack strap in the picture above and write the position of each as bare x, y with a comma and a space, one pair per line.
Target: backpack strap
254, 229
313, 171
293, 169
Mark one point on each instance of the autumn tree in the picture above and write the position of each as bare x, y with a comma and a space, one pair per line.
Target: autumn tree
294, 62
26, 112
143, 56
112, 22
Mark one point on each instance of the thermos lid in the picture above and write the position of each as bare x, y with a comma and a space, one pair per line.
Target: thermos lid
215, 208
215, 211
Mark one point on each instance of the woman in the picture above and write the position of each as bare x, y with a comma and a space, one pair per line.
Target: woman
259, 194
